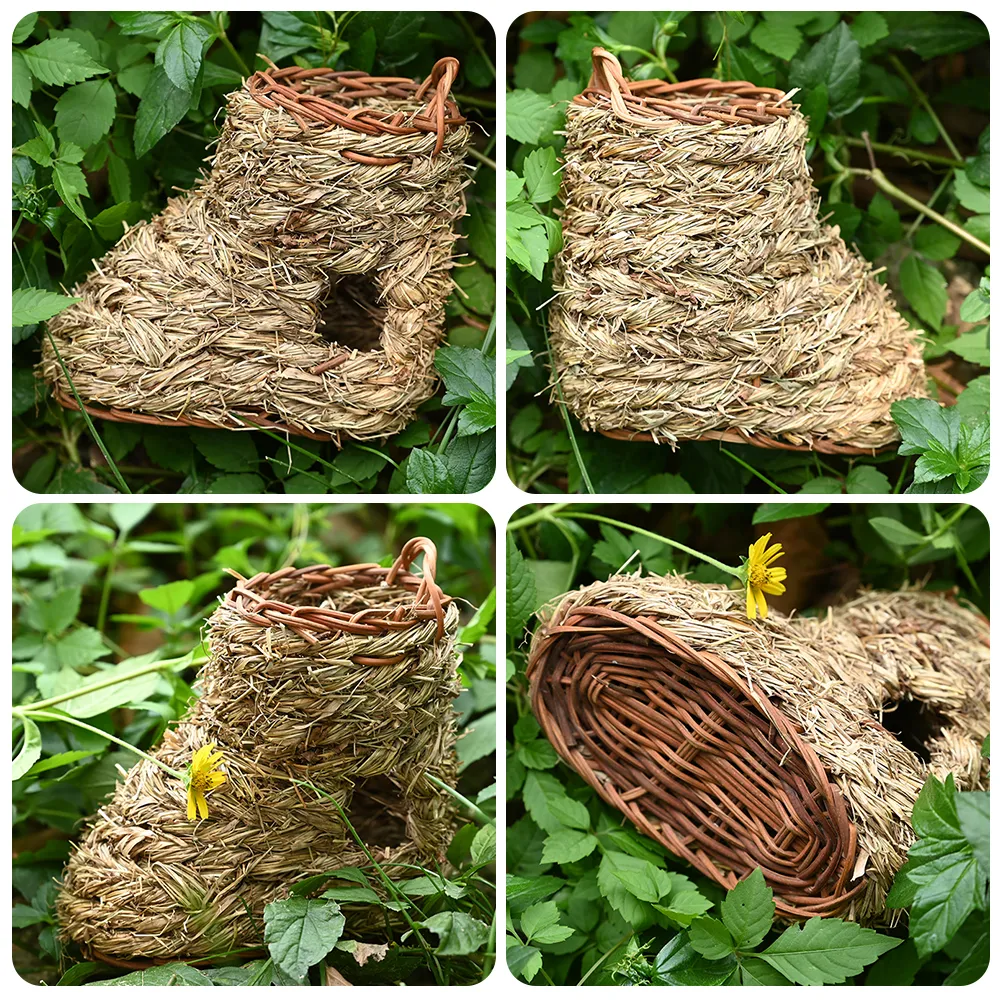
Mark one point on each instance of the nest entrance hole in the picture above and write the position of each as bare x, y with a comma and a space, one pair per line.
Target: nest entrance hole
914, 723
378, 813
350, 313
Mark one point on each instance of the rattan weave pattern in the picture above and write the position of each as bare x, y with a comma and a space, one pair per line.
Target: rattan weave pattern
737, 744
694, 757
341, 676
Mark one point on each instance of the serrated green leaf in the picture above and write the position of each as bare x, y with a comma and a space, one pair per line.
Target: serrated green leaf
170, 597
86, 112
925, 288
748, 910
300, 932
776, 37
711, 938
531, 117
869, 27
825, 950
458, 933
180, 53
21, 82
163, 105
35, 305
541, 178
523, 960
31, 750
58, 61
865, 479
565, 846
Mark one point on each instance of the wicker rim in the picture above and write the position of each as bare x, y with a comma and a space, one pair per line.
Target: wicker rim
801, 791
323, 97
251, 598
249, 422
657, 103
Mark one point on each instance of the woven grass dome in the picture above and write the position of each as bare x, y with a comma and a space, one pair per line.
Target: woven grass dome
699, 296
796, 745
340, 676
301, 285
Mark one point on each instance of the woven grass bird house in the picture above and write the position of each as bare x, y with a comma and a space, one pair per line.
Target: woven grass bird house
698, 294
301, 285
797, 745
340, 676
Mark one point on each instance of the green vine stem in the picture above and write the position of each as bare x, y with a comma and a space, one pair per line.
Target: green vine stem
925, 104
884, 184
477, 814
904, 152
554, 511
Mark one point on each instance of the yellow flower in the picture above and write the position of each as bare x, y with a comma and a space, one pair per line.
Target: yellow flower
763, 578
202, 778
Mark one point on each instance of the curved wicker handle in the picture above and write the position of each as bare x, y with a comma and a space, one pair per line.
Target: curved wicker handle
442, 76
428, 592
607, 76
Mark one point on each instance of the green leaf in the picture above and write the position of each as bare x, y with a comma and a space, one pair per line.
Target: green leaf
299, 932
776, 37
973, 810
835, 60
136, 22
973, 346
565, 846
53, 614
69, 180
538, 754
484, 845
170, 597
31, 750
523, 960
926, 289
35, 305
522, 892
521, 594
931, 34
942, 906
541, 178
756, 972
86, 112
458, 933
921, 421
969, 195
767, 513
973, 964
711, 938
649, 880
974, 401
546, 800
825, 950
58, 61
869, 27
528, 248
678, 964
21, 82
540, 923
748, 910
180, 53
24, 28
80, 648
163, 105
174, 974
976, 305
227, 450
427, 473
532, 118
471, 462
479, 739
865, 479
895, 532
465, 371
936, 243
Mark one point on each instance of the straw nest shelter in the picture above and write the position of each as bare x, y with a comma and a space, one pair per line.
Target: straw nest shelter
340, 676
698, 294
797, 745
301, 285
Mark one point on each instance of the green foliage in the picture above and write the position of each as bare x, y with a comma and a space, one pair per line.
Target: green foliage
112, 113
591, 901
109, 605
857, 76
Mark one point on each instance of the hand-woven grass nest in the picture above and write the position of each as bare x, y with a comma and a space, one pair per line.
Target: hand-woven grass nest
340, 676
797, 745
698, 294
301, 285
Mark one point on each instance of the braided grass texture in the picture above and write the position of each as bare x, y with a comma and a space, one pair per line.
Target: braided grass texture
698, 294
301, 285
341, 676
739, 744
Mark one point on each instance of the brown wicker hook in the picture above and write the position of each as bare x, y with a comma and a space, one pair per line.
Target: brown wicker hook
428, 591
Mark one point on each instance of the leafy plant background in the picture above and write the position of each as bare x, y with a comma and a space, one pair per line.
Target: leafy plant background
917, 83
591, 901
111, 587
112, 113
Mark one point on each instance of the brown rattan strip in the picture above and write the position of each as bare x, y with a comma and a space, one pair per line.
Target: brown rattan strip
259, 599
696, 759
323, 97
657, 103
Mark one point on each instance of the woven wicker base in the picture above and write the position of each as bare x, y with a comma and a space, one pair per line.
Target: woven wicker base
737, 436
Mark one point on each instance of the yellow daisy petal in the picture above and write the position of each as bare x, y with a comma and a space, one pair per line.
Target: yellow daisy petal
761, 603
191, 804
773, 588
202, 804
751, 606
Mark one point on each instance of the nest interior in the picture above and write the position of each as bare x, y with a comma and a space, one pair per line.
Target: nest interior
343, 677
301, 285
740, 745
699, 296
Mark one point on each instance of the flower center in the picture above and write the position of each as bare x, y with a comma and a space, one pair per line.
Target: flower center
758, 575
